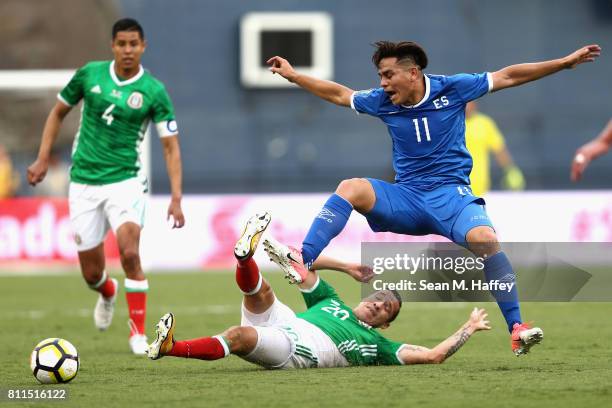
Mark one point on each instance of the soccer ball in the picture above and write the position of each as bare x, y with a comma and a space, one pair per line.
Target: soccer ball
54, 361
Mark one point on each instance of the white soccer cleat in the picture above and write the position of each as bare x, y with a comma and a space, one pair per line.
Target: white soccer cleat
103, 312
253, 230
289, 259
139, 344
165, 337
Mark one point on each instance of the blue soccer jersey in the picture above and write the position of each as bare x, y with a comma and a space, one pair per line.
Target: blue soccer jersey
429, 137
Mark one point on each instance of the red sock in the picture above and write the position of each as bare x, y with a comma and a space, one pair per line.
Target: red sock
204, 348
247, 275
136, 296
137, 309
107, 289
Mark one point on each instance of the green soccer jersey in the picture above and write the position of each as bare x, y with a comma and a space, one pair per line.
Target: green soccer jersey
114, 118
357, 341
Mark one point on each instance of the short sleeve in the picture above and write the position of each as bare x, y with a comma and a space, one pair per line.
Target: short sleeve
388, 351
367, 101
163, 115
472, 86
73, 92
320, 291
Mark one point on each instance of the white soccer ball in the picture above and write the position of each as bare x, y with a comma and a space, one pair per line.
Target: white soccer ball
54, 361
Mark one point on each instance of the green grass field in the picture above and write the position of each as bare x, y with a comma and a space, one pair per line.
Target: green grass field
572, 368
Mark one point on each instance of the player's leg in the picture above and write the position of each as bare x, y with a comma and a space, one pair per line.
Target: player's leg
258, 295
89, 227
92, 268
136, 284
482, 241
124, 209
237, 340
473, 223
357, 194
265, 346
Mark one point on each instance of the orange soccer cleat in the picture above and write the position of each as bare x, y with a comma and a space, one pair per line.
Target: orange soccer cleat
524, 337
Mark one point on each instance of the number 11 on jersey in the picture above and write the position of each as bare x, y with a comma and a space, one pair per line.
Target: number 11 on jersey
418, 131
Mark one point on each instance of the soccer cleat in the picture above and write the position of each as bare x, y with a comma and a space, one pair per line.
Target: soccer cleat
138, 344
524, 337
288, 259
103, 312
254, 228
165, 338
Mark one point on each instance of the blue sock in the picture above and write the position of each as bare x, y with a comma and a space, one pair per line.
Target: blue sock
327, 224
497, 267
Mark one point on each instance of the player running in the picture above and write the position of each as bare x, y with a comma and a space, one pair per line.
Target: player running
425, 117
327, 334
107, 189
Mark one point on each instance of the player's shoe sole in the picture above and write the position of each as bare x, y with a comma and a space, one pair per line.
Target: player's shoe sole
253, 230
105, 308
288, 259
527, 338
165, 337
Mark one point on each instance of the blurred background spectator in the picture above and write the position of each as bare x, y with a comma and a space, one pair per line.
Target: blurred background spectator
9, 179
483, 139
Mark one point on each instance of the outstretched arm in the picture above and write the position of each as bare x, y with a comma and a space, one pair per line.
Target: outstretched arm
361, 273
590, 151
410, 354
328, 90
515, 75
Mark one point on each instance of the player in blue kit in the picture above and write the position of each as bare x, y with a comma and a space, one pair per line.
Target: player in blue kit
425, 117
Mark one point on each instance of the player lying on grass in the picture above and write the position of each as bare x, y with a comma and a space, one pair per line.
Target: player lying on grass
327, 334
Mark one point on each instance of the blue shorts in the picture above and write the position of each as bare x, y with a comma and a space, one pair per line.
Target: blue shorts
449, 210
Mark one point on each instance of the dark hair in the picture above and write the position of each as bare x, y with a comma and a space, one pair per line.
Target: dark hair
127, 24
399, 299
403, 50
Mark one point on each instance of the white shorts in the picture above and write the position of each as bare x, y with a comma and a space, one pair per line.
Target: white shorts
286, 341
96, 209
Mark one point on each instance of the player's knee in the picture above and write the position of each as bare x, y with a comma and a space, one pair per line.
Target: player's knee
266, 291
92, 276
357, 191
92, 272
483, 241
240, 339
130, 261
129, 255
347, 188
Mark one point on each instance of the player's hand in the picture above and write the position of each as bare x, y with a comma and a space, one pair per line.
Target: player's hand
37, 171
478, 320
513, 179
361, 273
585, 54
281, 66
175, 211
585, 155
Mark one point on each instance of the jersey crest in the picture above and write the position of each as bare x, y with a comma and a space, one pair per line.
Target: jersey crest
135, 100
